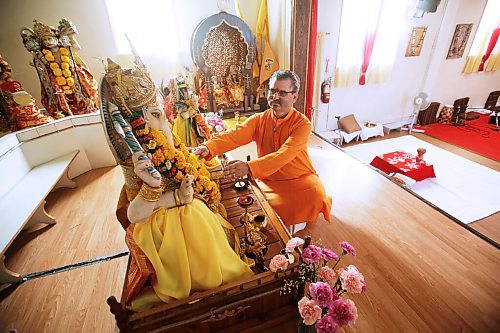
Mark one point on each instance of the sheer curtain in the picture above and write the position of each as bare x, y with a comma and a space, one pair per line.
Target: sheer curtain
369, 35
484, 53
160, 31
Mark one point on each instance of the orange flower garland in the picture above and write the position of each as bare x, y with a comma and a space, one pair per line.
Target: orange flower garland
63, 73
175, 162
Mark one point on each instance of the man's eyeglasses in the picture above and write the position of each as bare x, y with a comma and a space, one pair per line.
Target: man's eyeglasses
281, 93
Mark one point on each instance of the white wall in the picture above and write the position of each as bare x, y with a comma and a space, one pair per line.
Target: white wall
392, 101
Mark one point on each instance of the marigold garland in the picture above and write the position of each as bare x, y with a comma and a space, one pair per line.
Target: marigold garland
64, 78
175, 162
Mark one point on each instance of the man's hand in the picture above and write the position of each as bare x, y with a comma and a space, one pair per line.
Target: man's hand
236, 169
201, 151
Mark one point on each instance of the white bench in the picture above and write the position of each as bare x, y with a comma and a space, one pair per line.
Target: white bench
22, 197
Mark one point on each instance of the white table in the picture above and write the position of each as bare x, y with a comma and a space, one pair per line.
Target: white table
392, 126
348, 137
334, 137
369, 132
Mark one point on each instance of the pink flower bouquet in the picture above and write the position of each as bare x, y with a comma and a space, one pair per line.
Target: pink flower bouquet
215, 122
322, 309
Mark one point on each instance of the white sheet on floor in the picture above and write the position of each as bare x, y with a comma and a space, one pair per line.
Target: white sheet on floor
464, 189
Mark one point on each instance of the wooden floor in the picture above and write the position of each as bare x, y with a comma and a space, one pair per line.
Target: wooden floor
488, 226
424, 272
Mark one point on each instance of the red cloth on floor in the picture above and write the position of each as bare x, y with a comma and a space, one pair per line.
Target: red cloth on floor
403, 163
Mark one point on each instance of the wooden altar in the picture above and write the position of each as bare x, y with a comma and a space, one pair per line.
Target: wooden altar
253, 303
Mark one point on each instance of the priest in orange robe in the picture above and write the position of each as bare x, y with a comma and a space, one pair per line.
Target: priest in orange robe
284, 168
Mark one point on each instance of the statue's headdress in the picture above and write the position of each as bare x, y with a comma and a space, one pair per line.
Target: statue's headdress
41, 30
132, 89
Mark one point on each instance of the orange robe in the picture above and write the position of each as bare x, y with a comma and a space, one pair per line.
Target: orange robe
285, 171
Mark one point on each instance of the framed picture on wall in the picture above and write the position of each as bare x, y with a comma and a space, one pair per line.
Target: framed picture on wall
415, 42
459, 41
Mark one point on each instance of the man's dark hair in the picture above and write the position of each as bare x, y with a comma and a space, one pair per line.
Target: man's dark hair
286, 74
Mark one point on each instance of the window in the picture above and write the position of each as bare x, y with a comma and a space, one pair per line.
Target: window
484, 54
369, 36
155, 31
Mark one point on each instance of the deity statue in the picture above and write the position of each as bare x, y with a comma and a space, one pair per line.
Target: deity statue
189, 124
22, 108
234, 83
67, 86
178, 236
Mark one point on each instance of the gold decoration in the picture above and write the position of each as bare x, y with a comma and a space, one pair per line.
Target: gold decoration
177, 197
41, 30
224, 45
149, 193
133, 90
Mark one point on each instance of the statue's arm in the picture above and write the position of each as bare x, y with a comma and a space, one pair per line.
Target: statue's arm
151, 197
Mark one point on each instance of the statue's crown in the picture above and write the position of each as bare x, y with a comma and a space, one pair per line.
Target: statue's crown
41, 30
132, 89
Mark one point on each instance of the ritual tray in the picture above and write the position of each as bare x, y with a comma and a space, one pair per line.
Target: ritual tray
248, 305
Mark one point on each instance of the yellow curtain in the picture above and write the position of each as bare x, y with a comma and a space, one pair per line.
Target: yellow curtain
317, 75
493, 63
472, 61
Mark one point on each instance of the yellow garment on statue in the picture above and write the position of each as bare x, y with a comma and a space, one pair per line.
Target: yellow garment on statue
179, 128
189, 139
189, 251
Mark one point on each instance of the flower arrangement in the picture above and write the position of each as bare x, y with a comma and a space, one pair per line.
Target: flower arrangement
215, 122
322, 309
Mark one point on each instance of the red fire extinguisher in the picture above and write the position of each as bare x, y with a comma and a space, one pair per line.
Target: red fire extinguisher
325, 91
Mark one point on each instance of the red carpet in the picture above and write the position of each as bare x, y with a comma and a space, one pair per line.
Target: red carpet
477, 136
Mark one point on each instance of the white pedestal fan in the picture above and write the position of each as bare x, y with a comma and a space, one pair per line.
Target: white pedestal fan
420, 103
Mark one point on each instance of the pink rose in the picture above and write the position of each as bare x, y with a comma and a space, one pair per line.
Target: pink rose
311, 254
327, 275
293, 243
279, 262
321, 293
352, 280
344, 312
309, 311
348, 248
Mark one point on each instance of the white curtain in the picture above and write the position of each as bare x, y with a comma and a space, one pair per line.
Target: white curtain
160, 30
360, 17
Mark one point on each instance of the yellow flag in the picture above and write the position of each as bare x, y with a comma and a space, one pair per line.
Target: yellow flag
267, 60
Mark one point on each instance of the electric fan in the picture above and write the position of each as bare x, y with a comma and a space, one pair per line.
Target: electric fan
420, 102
